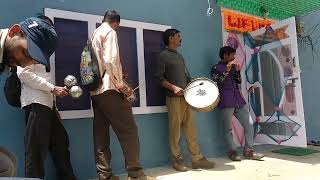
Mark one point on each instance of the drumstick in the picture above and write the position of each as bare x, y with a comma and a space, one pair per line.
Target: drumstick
200, 84
135, 88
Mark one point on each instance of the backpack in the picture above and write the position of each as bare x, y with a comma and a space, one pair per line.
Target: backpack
12, 89
89, 68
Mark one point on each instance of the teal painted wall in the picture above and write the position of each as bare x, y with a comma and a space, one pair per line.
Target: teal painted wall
310, 67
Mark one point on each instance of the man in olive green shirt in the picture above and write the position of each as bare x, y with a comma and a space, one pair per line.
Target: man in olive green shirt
174, 77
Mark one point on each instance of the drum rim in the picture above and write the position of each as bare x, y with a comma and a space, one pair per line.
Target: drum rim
199, 78
216, 103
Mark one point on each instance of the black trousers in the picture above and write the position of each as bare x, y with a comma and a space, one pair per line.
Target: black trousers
112, 109
45, 133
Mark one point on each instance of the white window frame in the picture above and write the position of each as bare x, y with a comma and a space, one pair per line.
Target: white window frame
92, 21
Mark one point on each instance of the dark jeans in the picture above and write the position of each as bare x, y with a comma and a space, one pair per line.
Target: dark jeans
45, 133
112, 109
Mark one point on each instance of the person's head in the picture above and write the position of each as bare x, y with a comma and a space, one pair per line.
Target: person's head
172, 38
112, 17
31, 40
227, 53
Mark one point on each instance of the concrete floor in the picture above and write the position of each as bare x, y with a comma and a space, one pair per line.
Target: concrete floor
272, 167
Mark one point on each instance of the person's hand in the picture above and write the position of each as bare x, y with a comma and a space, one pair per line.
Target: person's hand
237, 65
233, 63
125, 76
178, 91
229, 66
127, 91
60, 91
119, 85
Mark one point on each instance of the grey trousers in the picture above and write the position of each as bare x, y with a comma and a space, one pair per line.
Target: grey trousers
242, 114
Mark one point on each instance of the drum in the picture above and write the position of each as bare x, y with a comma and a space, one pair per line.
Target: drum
202, 94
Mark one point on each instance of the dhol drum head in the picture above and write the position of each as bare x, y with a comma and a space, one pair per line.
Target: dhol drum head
202, 94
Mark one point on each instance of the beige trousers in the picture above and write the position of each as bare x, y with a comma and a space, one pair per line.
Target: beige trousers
181, 117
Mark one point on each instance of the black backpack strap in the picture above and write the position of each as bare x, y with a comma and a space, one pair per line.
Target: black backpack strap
186, 70
104, 72
92, 52
13, 70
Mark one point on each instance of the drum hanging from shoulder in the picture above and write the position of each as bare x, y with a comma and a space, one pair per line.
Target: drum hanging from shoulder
202, 94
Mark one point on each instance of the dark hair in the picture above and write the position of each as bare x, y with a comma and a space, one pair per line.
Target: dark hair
226, 50
3, 66
111, 16
47, 19
5, 61
167, 34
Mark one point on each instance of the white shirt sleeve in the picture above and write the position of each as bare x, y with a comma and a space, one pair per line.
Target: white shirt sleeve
31, 79
111, 56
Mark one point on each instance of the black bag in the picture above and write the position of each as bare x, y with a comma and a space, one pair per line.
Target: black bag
12, 89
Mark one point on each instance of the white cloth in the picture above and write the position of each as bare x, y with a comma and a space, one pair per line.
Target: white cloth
36, 85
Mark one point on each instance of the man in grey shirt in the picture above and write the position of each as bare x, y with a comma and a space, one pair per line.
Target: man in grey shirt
174, 77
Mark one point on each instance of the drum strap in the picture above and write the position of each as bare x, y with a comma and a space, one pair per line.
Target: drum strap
186, 70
